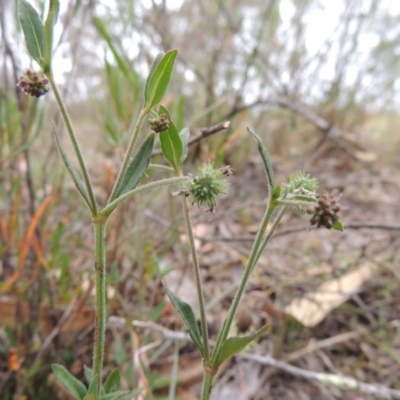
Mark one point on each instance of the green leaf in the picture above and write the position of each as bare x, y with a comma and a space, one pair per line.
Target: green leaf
90, 396
234, 345
158, 79
171, 143
184, 135
33, 29
112, 382
136, 168
73, 385
71, 170
156, 61
338, 226
186, 312
88, 374
265, 156
54, 8
276, 193
121, 395
93, 388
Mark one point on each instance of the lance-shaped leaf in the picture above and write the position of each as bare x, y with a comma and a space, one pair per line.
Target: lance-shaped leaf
72, 172
158, 79
112, 382
73, 385
153, 66
54, 8
33, 29
121, 395
171, 143
93, 390
136, 168
184, 135
186, 312
265, 157
122, 64
88, 374
236, 344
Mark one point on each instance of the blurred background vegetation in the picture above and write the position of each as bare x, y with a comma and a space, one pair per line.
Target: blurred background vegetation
319, 80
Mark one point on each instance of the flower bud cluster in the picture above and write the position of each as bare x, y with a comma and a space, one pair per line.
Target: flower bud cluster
326, 210
33, 84
160, 124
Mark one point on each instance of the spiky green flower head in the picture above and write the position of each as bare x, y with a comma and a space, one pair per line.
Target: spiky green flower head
301, 186
209, 185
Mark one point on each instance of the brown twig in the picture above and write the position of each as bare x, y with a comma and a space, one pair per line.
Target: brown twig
204, 132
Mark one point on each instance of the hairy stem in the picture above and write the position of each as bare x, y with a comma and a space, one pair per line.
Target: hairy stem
270, 232
208, 380
197, 278
246, 276
106, 211
100, 321
72, 136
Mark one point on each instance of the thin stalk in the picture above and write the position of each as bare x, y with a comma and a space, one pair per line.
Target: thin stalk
100, 321
270, 233
197, 278
106, 211
207, 385
296, 203
258, 246
75, 144
131, 147
161, 167
246, 276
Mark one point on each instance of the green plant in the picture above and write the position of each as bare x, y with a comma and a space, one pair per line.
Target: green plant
204, 189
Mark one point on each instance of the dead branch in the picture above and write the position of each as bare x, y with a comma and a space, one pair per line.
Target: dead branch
340, 381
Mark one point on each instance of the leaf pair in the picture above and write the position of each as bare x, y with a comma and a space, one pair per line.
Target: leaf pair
78, 390
173, 144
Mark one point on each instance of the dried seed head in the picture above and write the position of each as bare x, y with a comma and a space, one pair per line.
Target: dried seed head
325, 212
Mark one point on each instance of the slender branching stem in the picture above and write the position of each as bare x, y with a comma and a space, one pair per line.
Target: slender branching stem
197, 278
128, 154
271, 231
106, 211
246, 276
258, 246
74, 141
100, 321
